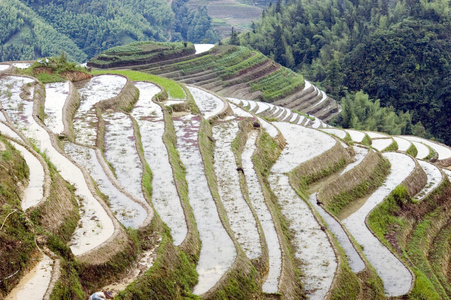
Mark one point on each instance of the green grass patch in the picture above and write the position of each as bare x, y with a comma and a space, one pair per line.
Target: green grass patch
383, 216
173, 88
172, 276
412, 151
432, 154
49, 78
392, 147
367, 141
387, 216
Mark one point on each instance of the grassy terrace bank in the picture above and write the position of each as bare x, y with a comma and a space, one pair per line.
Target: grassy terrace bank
361, 180
416, 232
139, 53
346, 285
173, 274
241, 281
17, 245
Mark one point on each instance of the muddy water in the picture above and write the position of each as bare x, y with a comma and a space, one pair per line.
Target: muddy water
257, 199
299, 150
218, 251
313, 248
335, 131
403, 144
242, 222
209, 105
443, 152
127, 211
355, 261
356, 136
95, 226
164, 193
381, 144
97, 89
5, 130
120, 151
434, 178
4, 67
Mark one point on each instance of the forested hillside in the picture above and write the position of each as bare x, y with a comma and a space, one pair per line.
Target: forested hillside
397, 52
30, 29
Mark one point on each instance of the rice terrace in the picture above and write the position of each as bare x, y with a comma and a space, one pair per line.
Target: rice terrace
173, 170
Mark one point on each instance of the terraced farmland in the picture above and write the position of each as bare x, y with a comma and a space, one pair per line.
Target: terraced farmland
236, 72
114, 184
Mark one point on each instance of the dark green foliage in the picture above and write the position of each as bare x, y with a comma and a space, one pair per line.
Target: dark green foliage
24, 35
31, 29
407, 67
192, 25
395, 51
95, 26
361, 113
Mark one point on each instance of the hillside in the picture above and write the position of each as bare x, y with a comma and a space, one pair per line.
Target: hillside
395, 51
229, 71
39, 28
150, 188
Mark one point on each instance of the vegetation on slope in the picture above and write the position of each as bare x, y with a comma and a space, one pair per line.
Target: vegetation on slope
361, 113
24, 35
56, 69
226, 67
397, 52
358, 182
17, 245
416, 231
140, 53
37, 28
